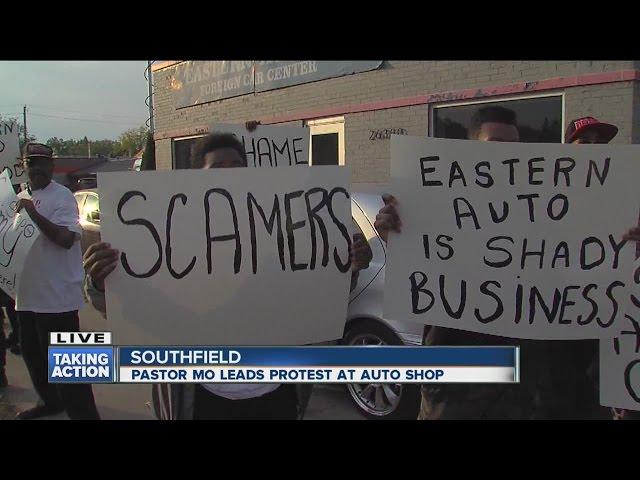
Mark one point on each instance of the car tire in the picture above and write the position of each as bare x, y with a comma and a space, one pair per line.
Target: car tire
370, 332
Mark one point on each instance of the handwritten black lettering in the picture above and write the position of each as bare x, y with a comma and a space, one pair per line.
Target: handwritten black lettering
275, 221
142, 222
469, 213
237, 259
484, 289
174, 274
424, 170
416, 290
342, 266
593, 168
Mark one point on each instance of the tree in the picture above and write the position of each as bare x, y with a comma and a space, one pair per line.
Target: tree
105, 148
132, 141
30, 137
149, 155
57, 145
128, 144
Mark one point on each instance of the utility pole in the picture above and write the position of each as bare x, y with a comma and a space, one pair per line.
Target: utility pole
150, 97
24, 122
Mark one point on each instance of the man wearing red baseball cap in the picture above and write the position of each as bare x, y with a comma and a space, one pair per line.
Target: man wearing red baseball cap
589, 130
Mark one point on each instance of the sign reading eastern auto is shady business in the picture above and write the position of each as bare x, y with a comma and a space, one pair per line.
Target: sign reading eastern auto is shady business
520, 240
197, 82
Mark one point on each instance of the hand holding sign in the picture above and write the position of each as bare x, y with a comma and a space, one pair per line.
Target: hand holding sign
99, 261
361, 254
26, 204
387, 219
251, 125
632, 234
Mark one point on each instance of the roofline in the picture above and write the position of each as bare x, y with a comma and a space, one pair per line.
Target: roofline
162, 64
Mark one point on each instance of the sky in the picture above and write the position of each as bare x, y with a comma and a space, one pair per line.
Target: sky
74, 99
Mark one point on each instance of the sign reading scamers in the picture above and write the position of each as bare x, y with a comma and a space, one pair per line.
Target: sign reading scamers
239, 256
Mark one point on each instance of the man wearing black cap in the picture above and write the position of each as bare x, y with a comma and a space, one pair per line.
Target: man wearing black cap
50, 291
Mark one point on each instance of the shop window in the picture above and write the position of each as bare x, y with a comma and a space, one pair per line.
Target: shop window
540, 119
182, 148
327, 141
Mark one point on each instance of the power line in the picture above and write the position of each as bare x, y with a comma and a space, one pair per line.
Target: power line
49, 111
46, 109
84, 119
84, 113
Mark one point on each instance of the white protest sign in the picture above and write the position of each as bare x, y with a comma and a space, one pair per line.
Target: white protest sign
620, 358
17, 234
271, 146
518, 240
228, 256
10, 160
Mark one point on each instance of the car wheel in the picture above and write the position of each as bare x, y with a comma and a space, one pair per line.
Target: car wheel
389, 401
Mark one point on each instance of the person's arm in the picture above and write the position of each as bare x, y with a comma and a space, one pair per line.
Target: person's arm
355, 274
58, 234
632, 234
388, 219
99, 261
251, 125
96, 297
361, 256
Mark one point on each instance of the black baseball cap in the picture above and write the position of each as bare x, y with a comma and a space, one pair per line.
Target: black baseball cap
35, 150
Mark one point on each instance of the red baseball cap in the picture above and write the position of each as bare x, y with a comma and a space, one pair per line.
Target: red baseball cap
580, 125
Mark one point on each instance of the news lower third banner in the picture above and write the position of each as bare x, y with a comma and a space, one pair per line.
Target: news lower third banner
88, 357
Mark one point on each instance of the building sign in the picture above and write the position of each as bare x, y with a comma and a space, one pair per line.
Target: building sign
197, 82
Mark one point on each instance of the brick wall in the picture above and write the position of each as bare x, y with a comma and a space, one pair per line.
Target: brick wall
615, 102
369, 159
612, 103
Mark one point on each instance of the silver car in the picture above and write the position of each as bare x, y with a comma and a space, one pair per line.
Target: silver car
367, 326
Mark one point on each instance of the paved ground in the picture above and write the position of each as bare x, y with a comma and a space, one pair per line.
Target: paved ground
129, 402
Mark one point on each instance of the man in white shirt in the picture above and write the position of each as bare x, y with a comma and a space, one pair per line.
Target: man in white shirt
50, 291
